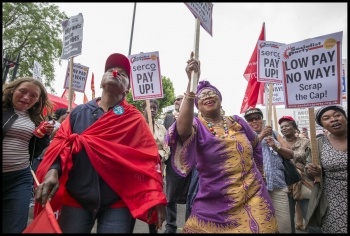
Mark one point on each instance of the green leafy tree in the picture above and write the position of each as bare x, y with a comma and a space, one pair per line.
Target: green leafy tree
34, 30
167, 100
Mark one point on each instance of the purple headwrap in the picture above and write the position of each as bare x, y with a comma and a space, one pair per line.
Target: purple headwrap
203, 85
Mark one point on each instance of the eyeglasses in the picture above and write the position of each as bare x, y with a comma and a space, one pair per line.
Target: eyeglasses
178, 99
210, 93
252, 118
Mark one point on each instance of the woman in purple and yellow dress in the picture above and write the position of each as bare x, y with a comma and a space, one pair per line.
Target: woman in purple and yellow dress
232, 196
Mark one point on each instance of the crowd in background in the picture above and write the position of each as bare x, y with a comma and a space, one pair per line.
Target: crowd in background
227, 169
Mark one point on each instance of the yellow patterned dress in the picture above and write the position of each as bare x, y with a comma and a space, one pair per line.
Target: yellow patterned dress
232, 196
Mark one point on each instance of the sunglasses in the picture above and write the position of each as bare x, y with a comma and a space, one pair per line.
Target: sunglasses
210, 93
252, 118
178, 99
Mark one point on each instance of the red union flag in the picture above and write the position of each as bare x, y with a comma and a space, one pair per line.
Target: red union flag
85, 99
255, 90
65, 95
45, 222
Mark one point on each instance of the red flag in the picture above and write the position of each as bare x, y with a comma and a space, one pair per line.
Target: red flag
92, 86
85, 99
65, 94
255, 90
45, 222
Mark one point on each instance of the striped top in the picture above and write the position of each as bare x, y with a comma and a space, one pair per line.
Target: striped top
15, 152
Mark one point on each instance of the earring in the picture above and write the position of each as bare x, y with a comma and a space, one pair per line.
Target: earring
222, 112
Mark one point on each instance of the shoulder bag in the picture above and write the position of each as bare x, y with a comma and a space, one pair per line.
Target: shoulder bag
291, 173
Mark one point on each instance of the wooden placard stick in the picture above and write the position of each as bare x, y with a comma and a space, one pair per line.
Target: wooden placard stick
314, 148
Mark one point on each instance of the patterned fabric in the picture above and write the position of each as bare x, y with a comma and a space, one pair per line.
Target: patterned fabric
299, 148
273, 167
335, 168
232, 197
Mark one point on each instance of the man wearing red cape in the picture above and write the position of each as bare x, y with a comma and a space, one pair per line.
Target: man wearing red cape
104, 163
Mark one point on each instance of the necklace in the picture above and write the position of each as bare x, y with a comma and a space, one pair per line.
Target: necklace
211, 129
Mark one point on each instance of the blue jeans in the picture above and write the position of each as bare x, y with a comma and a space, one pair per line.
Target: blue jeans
16, 194
79, 220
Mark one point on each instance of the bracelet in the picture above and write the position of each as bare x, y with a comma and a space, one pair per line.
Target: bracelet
278, 147
190, 95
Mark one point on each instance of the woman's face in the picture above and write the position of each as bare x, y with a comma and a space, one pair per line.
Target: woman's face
154, 110
334, 121
25, 96
287, 129
255, 121
208, 101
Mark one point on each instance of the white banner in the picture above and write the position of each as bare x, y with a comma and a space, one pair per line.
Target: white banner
37, 69
312, 71
277, 94
72, 36
269, 62
80, 75
146, 79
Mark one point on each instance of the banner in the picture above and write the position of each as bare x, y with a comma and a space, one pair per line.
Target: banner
146, 78
255, 90
72, 29
79, 78
269, 62
312, 71
37, 69
204, 12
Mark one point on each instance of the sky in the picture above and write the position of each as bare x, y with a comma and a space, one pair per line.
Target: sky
169, 28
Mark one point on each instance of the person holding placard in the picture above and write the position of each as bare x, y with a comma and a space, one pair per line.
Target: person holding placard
328, 206
232, 196
274, 148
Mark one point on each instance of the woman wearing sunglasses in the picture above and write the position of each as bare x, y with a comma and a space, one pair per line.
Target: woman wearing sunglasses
274, 148
232, 196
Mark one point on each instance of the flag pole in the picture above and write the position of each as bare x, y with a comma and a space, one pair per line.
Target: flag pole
132, 28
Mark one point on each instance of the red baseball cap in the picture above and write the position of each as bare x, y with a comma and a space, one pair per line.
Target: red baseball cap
284, 118
118, 60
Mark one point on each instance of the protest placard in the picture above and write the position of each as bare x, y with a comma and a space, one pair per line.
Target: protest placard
79, 78
269, 62
312, 71
146, 81
72, 29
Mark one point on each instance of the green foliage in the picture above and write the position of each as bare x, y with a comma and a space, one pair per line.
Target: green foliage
34, 30
167, 100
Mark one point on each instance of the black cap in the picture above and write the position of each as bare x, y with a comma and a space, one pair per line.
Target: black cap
253, 111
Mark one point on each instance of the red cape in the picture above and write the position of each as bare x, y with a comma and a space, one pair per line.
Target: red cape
122, 150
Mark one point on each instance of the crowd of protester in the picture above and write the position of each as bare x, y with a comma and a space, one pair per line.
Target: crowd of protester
101, 164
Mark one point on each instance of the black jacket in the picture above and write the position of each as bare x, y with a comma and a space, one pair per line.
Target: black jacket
169, 119
36, 145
